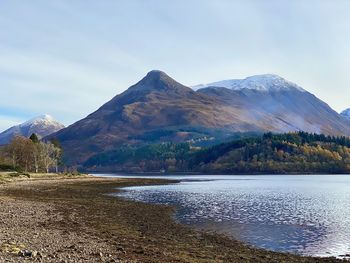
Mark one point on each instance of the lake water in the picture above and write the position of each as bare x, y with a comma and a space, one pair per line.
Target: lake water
303, 214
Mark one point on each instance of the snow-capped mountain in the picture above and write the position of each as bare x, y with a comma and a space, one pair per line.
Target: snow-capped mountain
160, 109
346, 113
42, 126
266, 82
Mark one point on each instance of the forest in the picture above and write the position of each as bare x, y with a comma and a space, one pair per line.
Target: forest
297, 152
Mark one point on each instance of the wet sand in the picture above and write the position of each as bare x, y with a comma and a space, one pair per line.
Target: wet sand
75, 220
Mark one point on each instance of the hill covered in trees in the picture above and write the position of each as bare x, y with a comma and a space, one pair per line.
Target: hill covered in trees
271, 153
284, 153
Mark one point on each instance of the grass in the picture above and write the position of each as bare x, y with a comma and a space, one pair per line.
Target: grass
6, 177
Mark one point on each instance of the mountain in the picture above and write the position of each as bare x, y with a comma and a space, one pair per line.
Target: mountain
346, 113
42, 126
159, 109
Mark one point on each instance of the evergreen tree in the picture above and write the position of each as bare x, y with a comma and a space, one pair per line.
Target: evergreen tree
34, 138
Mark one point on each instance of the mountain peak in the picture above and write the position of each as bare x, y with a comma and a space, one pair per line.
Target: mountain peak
45, 118
157, 80
42, 126
263, 82
156, 74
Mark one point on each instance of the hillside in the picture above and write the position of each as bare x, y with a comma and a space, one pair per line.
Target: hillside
283, 110
284, 153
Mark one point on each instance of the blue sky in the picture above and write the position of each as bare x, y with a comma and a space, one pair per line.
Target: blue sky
67, 58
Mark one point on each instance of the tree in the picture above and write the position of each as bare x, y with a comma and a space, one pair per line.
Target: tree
36, 151
36, 156
56, 156
19, 150
58, 152
46, 155
34, 138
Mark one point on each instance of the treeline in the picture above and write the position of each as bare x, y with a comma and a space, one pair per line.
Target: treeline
31, 155
298, 152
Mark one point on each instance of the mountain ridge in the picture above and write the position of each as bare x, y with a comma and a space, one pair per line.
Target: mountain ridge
263, 82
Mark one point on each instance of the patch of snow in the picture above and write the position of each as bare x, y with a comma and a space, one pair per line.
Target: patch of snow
42, 119
266, 82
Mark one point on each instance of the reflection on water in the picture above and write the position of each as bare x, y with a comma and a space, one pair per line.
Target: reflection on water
303, 214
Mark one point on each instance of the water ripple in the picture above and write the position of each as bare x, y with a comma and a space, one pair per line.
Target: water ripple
308, 215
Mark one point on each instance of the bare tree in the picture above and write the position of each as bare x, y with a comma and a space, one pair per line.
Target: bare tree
56, 156
36, 156
13, 150
19, 151
27, 154
50, 155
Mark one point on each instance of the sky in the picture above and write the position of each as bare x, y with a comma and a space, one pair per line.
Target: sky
67, 58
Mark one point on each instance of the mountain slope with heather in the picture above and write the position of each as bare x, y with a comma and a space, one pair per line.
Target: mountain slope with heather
159, 109
42, 126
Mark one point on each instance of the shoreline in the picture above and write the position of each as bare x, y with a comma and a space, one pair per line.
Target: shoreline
203, 173
75, 220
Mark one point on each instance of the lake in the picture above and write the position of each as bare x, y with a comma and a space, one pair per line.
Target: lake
303, 214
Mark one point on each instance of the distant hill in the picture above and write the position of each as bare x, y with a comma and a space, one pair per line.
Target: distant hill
42, 126
159, 109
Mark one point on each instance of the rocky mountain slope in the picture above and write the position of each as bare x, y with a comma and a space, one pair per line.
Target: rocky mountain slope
158, 108
283, 110
42, 126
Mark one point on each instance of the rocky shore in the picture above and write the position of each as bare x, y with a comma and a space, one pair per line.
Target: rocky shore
72, 219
